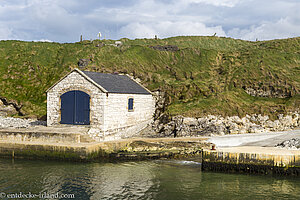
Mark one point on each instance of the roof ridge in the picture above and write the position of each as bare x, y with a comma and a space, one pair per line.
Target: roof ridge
111, 83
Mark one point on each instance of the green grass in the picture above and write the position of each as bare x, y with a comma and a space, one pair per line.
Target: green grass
206, 76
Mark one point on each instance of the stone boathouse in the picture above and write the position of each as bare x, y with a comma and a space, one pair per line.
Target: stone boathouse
109, 104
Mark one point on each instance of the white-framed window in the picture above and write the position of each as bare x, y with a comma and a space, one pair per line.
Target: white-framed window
130, 104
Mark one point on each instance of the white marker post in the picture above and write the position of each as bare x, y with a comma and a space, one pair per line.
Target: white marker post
99, 35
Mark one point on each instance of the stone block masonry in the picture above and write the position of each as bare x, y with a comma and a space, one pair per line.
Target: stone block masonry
119, 122
117, 115
75, 81
35, 144
109, 113
254, 160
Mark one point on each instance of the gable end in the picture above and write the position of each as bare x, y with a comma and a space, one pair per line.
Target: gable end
83, 75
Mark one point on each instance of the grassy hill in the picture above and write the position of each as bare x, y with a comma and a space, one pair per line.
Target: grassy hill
207, 75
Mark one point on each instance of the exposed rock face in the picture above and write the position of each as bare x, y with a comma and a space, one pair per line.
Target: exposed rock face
179, 126
160, 105
82, 63
165, 48
182, 126
290, 144
99, 44
7, 110
283, 90
9, 107
261, 92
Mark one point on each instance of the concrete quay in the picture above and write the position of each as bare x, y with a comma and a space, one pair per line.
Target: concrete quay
68, 143
253, 153
247, 153
249, 159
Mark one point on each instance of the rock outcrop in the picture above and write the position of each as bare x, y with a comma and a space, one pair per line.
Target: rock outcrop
290, 144
180, 126
165, 48
82, 63
270, 92
7, 110
9, 107
279, 90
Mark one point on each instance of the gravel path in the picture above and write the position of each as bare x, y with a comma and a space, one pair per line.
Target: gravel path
11, 122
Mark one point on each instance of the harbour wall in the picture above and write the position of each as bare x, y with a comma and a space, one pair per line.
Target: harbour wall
253, 160
67, 144
127, 149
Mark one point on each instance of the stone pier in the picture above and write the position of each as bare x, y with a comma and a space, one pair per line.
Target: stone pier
252, 159
67, 143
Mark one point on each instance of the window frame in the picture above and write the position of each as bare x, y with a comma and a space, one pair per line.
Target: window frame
128, 100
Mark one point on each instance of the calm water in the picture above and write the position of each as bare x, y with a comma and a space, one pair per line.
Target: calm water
168, 179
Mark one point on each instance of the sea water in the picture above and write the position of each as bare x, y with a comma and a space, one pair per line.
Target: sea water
155, 179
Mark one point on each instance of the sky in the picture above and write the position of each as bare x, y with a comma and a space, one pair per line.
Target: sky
65, 20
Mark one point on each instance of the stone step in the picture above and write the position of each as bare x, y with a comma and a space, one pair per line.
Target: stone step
31, 135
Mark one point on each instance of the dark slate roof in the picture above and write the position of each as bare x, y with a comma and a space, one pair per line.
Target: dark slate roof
115, 83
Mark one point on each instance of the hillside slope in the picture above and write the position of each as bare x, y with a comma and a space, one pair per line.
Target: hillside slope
206, 75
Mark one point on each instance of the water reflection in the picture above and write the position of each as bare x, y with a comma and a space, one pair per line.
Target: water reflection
167, 179
123, 180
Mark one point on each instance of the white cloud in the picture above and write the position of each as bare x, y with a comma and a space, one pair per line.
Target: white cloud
6, 33
226, 3
166, 29
137, 30
283, 28
65, 21
43, 40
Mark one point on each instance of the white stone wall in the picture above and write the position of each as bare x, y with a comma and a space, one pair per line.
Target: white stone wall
116, 114
75, 81
108, 112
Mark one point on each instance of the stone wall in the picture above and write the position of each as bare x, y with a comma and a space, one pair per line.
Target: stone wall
40, 137
116, 114
75, 81
254, 160
109, 115
119, 122
118, 133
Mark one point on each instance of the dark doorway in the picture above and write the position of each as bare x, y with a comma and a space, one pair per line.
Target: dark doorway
75, 108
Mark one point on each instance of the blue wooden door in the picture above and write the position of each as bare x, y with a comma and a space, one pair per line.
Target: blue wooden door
75, 108
82, 108
67, 107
